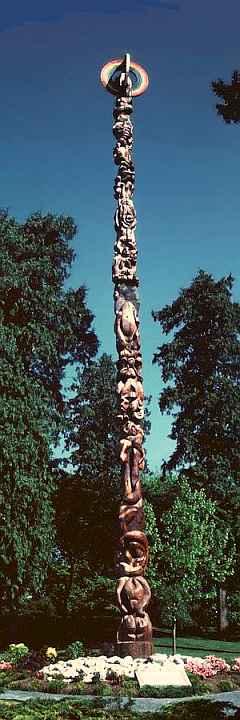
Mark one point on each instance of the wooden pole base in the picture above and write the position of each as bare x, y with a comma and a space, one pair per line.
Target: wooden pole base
141, 649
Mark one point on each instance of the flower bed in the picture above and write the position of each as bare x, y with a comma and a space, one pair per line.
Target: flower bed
207, 667
98, 675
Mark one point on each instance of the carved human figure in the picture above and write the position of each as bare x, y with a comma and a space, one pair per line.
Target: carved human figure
129, 368
127, 326
135, 628
132, 556
131, 516
125, 215
131, 397
133, 594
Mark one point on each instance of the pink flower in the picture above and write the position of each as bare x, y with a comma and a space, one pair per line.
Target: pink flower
207, 667
236, 665
5, 665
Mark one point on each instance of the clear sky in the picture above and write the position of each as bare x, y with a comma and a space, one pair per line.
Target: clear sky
56, 146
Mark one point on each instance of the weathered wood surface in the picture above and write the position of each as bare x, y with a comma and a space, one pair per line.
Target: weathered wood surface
133, 591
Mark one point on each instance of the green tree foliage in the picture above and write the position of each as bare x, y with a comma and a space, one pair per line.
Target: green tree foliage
43, 327
230, 94
155, 550
192, 552
200, 365
87, 497
198, 551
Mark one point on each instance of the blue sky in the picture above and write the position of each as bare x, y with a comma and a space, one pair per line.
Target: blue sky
56, 146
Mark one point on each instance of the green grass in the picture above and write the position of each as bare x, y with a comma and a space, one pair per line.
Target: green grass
199, 647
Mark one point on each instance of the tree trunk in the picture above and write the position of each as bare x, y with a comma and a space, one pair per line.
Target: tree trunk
222, 610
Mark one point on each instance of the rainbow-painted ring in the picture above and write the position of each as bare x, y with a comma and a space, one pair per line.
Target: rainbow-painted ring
140, 77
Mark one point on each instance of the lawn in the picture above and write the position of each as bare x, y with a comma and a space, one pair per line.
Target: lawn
198, 647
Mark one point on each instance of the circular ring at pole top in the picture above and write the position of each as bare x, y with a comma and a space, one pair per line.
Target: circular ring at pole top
137, 74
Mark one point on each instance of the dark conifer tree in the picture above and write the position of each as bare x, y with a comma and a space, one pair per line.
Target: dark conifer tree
229, 93
201, 366
43, 328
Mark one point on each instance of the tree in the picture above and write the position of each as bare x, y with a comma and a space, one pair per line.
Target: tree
201, 366
88, 492
43, 328
230, 94
197, 552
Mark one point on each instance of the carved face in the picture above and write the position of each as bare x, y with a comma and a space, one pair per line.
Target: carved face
135, 628
137, 401
128, 214
133, 553
134, 431
131, 397
123, 267
127, 367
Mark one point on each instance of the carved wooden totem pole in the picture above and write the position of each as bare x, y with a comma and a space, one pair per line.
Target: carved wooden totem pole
126, 79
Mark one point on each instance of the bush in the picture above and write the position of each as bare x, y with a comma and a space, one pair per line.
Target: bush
225, 686
14, 653
129, 687
199, 687
96, 678
9, 677
34, 661
74, 650
79, 687
55, 685
102, 690
165, 691
113, 677
30, 683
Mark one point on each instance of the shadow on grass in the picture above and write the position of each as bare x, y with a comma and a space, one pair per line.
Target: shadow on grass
199, 710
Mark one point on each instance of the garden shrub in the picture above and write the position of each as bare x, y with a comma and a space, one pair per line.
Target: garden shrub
113, 677
165, 691
17, 652
225, 686
34, 661
74, 650
80, 687
96, 678
55, 685
130, 687
199, 687
102, 690
9, 677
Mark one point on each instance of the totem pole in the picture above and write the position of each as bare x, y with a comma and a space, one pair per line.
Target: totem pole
126, 79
